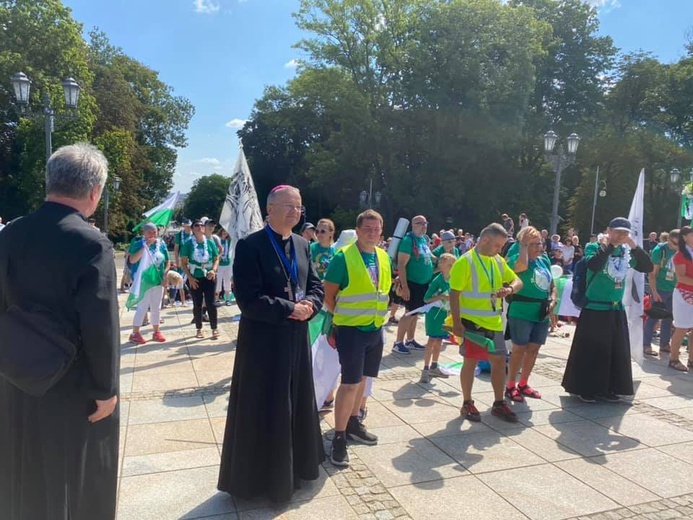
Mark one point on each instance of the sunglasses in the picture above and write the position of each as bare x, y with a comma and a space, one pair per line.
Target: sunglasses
323, 231
198, 225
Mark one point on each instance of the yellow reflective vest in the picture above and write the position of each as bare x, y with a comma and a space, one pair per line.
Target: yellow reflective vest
360, 303
477, 298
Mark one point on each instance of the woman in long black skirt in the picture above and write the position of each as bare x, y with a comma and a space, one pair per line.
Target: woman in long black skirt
599, 361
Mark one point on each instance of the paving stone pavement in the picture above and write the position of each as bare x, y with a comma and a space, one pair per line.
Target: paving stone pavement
564, 459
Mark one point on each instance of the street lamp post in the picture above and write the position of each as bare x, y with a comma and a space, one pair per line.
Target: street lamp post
106, 201
559, 161
22, 93
599, 188
367, 198
675, 175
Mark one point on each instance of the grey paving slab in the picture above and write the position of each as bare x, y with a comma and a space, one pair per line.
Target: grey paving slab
184, 494
596, 474
170, 461
541, 445
648, 430
588, 438
485, 452
546, 492
454, 498
145, 439
167, 409
317, 509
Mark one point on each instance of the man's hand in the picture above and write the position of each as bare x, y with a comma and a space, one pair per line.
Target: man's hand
193, 282
302, 311
504, 291
458, 329
103, 409
656, 296
406, 293
629, 240
211, 275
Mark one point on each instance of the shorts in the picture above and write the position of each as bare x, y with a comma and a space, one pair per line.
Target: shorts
683, 311
417, 291
435, 319
523, 332
359, 353
498, 342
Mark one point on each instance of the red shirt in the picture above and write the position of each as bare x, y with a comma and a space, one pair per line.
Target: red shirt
679, 259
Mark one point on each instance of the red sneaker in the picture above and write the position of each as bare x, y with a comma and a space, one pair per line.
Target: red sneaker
158, 336
470, 412
137, 338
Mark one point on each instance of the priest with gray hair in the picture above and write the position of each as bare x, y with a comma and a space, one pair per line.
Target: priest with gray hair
59, 447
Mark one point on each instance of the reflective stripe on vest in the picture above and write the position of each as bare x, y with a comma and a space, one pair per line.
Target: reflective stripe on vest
359, 304
483, 307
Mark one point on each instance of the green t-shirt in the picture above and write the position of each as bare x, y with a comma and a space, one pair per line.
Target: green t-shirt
439, 285
200, 256
440, 250
321, 258
225, 252
609, 284
662, 256
158, 251
338, 274
420, 265
181, 238
536, 283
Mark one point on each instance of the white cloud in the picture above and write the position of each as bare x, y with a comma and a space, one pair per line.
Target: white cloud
206, 6
605, 5
235, 123
292, 64
210, 160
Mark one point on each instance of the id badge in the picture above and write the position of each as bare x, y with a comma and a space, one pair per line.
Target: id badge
619, 284
670, 276
300, 295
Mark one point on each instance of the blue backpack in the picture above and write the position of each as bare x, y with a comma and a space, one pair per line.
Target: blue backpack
580, 284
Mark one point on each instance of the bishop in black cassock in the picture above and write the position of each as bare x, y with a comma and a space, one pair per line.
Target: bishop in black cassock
55, 462
272, 437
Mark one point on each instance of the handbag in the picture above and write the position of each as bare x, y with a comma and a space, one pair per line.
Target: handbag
37, 347
659, 311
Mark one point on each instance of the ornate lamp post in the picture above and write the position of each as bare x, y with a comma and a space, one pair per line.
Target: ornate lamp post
675, 176
559, 160
368, 199
21, 85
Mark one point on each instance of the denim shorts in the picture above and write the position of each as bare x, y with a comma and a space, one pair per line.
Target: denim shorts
523, 332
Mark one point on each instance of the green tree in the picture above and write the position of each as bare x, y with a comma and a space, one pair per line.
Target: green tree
207, 196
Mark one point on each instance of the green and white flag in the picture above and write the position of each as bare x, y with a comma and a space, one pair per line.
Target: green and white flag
146, 277
162, 214
687, 206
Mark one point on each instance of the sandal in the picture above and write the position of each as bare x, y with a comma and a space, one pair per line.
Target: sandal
528, 391
470, 412
677, 365
649, 351
200, 334
215, 334
514, 395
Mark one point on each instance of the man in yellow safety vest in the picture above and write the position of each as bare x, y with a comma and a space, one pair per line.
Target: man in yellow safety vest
357, 284
479, 281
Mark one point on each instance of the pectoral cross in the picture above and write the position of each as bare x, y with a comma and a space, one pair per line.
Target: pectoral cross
289, 292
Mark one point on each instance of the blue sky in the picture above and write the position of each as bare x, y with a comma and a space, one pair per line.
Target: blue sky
221, 54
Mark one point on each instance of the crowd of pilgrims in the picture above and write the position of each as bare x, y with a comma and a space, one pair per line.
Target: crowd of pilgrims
437, 275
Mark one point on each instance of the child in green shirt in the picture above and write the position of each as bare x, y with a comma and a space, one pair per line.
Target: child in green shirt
438, 291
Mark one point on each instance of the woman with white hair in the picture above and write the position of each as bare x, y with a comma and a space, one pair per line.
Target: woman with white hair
157, 260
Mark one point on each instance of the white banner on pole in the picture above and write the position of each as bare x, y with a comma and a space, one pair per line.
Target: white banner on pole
635, 281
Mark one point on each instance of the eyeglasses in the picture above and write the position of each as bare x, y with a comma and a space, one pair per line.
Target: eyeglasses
290, 207
198, 225
323, 231
424, 223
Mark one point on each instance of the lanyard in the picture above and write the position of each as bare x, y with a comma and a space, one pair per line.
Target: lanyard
376, 282
488, 277
290, 267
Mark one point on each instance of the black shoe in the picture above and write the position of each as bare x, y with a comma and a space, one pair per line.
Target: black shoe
357, 432
502, 410
588, 399
610, 397
338, 454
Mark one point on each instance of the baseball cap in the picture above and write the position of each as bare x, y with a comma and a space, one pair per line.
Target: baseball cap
307, 225
210, 222
447, 235
620, 224
186, 222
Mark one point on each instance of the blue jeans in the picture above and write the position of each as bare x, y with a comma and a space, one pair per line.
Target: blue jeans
665, 330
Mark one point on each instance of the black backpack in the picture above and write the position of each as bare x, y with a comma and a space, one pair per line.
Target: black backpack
579, 292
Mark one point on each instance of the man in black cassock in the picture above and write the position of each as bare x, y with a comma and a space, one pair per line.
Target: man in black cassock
59, 452
272, 436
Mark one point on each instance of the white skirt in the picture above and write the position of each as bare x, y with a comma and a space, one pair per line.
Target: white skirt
683, 312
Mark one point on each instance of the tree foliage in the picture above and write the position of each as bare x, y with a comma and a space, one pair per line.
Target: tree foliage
207, 197
443, 105
124, 108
